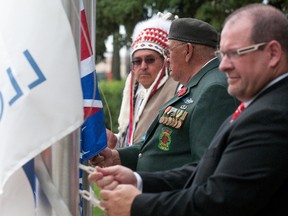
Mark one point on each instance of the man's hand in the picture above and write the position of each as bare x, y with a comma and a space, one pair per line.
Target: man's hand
118, 202
109, 178
106, 158
111, 139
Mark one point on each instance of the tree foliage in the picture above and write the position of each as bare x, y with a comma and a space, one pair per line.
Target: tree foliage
215, 12
110, 14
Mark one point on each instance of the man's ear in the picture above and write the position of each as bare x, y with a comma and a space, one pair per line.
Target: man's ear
275, 52
189, 51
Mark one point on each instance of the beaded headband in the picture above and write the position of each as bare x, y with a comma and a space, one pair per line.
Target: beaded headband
151, 34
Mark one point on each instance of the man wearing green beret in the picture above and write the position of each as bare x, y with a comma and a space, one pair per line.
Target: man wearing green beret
187, 123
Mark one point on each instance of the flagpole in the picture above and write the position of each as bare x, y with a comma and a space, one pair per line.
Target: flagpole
90, 9
63, 157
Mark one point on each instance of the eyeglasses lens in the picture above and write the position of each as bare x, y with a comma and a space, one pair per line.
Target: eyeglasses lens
137, 62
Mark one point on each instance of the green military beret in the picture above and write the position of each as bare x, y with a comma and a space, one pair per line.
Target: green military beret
193, 31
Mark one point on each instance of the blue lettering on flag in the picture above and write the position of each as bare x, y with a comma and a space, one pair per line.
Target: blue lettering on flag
18, 91
16, 87
41, 77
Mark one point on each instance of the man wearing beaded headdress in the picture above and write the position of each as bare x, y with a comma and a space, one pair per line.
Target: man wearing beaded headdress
148, 86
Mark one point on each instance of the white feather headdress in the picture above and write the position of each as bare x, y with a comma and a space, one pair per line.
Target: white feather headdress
151, 34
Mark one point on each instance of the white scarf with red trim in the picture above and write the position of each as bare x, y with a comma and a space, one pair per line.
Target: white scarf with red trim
127, 116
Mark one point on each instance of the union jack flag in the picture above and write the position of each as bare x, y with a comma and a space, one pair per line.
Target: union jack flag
93, 132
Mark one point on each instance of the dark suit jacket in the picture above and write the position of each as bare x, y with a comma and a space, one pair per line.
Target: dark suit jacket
207, 104
244, 172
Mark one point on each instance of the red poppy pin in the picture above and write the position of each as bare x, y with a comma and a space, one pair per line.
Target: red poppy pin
182, 91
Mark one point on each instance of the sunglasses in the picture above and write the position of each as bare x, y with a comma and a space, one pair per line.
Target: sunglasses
147, 60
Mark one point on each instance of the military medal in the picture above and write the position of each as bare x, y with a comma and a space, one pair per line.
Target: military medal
174, 123
182, 118
174, 117
169, 121
179, 123
163, 118
171, 115
178, 114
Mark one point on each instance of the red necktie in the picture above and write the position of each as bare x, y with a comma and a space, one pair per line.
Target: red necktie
240, 108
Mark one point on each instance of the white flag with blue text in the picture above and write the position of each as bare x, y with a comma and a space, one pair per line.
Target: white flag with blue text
40, 90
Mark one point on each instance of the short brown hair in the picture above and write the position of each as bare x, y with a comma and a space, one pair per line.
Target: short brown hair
269, 23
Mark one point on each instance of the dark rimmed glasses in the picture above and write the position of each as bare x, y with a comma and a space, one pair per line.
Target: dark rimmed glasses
232, 54
148, 60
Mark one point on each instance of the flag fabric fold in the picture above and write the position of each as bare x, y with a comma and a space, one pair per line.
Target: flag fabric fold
40, 89
93, 132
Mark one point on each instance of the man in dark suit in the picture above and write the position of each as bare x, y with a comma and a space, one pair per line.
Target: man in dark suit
244, 172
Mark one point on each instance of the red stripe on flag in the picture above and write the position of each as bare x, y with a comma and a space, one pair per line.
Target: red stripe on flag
85, 38
89, 111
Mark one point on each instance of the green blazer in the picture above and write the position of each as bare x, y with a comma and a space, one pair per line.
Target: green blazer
185, 125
